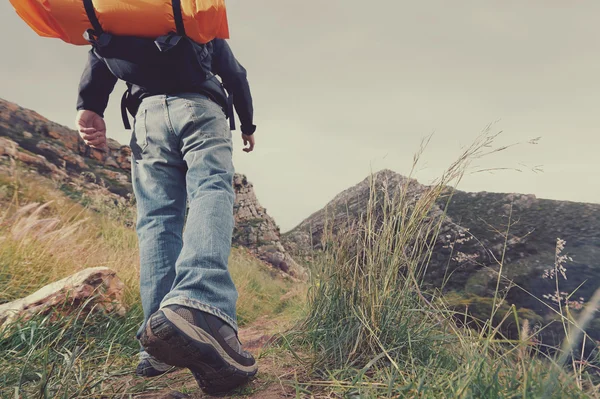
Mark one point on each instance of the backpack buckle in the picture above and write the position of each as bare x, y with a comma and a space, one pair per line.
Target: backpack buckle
101, 40
167, 42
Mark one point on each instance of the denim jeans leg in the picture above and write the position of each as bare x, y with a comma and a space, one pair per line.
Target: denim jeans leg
202, 277
158, 177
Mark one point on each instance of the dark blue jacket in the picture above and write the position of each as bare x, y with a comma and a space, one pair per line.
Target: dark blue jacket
97, 82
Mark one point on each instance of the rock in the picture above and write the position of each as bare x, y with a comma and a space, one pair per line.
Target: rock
119, 177
27, 135
110, 161
256, 230
42, 164
89, 177
54, 135
97, 155
71, 159
68, 294
38, 160
123, 157
113, 144
8, 147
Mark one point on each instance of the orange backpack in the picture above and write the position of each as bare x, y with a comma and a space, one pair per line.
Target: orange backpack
200, 20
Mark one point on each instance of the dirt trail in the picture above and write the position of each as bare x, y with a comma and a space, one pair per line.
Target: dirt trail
267, 385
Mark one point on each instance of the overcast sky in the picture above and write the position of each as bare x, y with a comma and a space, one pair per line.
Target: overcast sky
343, 87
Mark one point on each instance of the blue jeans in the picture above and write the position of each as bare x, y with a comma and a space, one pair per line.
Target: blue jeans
182, 153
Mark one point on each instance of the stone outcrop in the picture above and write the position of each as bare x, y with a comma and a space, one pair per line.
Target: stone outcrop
20, 123
258, 231
473, 239
347, 206
11, 149
98, 288
60, 154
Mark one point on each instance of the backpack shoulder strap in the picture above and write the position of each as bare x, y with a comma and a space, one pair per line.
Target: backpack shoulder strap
178, 17
91, 14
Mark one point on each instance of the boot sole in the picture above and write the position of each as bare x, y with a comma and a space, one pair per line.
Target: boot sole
215, 371
151, 372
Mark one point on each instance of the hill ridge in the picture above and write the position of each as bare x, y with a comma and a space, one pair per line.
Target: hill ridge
59, 153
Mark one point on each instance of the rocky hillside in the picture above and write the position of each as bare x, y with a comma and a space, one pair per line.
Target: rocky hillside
58, 153
256, 230
472, 237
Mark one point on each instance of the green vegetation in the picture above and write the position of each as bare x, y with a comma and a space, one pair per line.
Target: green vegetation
374, 331
370, 327
45, 236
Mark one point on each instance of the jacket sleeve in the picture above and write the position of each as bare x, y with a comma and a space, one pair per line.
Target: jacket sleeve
95, 85
235, 80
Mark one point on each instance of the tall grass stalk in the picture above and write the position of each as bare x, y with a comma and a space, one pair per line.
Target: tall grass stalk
374, 331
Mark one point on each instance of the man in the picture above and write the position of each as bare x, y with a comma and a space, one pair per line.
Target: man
182, 153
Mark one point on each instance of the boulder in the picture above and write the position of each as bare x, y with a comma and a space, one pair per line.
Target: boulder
8, 147
98, 288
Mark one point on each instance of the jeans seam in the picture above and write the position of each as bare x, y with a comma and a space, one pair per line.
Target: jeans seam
168, 119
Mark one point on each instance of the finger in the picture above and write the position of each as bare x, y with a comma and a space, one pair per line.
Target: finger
96, 142
93, 134
87, 130
100, 139
90, 137
90, 132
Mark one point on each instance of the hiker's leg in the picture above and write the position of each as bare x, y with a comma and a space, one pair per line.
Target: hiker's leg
203, 281
158, 176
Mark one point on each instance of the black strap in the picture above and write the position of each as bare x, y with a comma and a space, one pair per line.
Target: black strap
178, 17
124, 99
91, 13
230, 112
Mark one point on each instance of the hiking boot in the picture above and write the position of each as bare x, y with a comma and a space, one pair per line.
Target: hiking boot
205, 344
149, 366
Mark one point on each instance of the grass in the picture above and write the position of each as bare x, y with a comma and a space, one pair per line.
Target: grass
45, 236
262, 292
373, 329
73, 357
370, 329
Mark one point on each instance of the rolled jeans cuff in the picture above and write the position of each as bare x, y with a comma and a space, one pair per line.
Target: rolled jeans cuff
195, 304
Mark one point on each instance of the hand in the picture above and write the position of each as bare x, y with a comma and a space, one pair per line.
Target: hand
248, 140
92, 129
